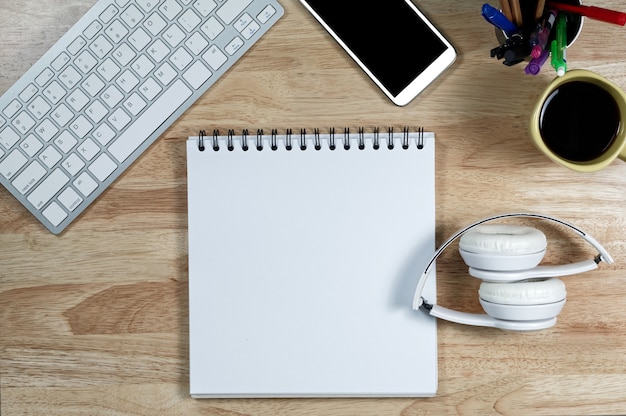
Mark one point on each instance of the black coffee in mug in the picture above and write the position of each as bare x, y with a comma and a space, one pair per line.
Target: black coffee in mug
579, 121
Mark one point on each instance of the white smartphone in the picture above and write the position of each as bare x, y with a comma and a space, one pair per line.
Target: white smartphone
391, 40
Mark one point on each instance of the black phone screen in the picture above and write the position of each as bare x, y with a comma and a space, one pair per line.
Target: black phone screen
387, 36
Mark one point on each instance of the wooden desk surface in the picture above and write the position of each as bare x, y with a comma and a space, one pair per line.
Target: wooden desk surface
95, 321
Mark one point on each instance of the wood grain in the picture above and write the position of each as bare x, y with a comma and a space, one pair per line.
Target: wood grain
95, 321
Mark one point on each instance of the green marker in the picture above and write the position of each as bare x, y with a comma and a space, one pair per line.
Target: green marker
558, 46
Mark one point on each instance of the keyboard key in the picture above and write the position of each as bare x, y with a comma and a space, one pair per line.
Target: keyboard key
31, 145
88, 149
65, 141
85, 62
189, 20
155, 24
119, 119
23, 122
73, 164
45, 76
39, 108
12, 109
196, 43
212, 28
116, 31
92, 30
102, 167
50, 157
70, 199
48, 188
147, 5
93, 85
109, 14
55, 214
170, 8
234, 45
204, 7
29, 177
11, 164
62, 115
28, 93
8, 137
77, 45
215, 58
250, 30
160, 109
54, 92
85, 184
132, 16
231, 9
104, 134
139, 39
46, 130
197, 74
266, 14
60, 61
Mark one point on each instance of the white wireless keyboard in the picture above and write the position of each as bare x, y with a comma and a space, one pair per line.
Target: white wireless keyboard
108, 88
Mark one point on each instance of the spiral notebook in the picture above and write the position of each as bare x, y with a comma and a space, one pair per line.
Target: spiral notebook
304, 252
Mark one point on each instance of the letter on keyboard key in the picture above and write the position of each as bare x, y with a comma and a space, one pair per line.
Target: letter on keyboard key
232, 9
145, 125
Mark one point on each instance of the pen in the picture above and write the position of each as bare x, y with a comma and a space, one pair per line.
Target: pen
593, 12
499, 20
535, 64
558, 46
543, 34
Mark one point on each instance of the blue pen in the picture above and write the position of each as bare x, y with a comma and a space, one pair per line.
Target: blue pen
499, 20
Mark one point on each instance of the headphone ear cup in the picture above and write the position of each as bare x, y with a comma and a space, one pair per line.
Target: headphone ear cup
503, 247
523, 301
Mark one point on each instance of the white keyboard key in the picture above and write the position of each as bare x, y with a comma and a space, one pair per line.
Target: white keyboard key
189, 20
60, 61
101, 46
155, 24
46, 130
11, 164
119, 119
93, 29
96, 111
48, 188
62, 115
170, 8
85, 62
29, 177
204, 7
8, 137
215, 58
31, 145
158, 50
55, 214
12, 109
116, 31
196, 43
81, 126
132, 16
70, 77
231, 9
108, 69
108, 14
54, 92
234, 45
212, 28
85, 184
139, 39
134, 104
104, 134
23, 122
73, 164
70, 199
50, 157
78, 100
45, 76
65, 141
250, 30
150, 89
112, 96
77, 45
241, 23
102, 167
166, 74
127, 81
143, 66
88, 149
197, 74
39, 107
124, 54
147, 5
181, 59
266, 14
93, 85
174, 36
139, 131
28, 93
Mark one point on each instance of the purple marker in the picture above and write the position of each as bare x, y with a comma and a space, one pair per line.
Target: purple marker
535, 64
543, 34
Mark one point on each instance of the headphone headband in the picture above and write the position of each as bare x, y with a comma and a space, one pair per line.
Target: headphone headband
419, 301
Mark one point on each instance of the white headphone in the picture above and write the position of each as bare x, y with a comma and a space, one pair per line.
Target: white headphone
516, 293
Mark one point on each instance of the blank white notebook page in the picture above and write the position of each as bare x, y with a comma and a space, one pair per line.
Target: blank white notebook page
302, 268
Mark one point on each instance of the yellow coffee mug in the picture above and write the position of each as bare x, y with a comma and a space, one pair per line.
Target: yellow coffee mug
556, 121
